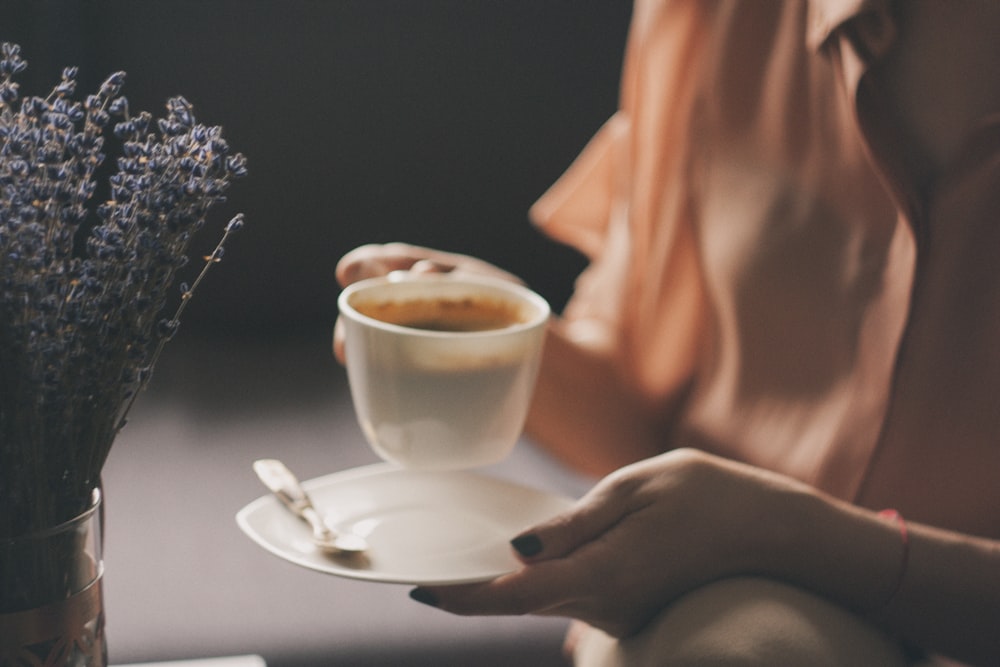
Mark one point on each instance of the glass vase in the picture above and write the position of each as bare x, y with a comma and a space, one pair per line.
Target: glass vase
51, 602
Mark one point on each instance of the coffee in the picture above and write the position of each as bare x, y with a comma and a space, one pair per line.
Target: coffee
471, 313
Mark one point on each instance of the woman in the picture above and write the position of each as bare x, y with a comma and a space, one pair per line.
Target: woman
791, 223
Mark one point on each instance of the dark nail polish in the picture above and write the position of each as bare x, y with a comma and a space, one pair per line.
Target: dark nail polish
424, 596
527, 545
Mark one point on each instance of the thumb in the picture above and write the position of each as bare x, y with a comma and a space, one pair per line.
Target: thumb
591, 517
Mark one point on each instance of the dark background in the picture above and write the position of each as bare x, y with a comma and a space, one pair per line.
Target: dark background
436, 122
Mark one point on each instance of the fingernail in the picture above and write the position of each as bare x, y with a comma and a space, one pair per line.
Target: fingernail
527, 545
424, 596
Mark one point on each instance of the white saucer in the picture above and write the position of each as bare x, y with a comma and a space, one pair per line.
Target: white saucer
423, 528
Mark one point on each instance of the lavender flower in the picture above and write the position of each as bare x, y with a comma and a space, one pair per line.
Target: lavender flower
83, 288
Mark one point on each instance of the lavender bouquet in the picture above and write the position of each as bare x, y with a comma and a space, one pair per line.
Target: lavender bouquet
83, 287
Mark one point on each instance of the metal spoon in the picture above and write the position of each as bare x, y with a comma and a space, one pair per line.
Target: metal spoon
282, 483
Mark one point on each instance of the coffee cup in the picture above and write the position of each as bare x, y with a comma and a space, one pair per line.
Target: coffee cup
441, 368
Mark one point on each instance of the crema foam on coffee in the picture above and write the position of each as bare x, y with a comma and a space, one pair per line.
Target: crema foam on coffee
445, 314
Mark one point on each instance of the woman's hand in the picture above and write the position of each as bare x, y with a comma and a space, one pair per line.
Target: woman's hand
372, 261
655, 530
641, 538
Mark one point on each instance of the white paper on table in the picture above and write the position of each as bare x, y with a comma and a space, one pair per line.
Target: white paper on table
230, 661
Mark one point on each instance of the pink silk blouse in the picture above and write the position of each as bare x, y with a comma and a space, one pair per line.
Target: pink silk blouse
760, 232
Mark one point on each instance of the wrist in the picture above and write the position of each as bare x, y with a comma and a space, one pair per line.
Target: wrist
837, 550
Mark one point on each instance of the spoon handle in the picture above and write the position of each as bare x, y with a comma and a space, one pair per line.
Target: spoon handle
282, 483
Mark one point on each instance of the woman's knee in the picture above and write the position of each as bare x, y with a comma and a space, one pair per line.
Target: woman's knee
746, 622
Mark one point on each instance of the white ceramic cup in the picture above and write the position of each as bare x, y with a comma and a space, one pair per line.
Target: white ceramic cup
428, 396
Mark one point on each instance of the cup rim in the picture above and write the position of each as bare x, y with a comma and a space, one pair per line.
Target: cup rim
540, 305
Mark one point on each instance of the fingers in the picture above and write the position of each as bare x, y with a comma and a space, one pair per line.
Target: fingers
593, 515
430, 266
585, 564
371, 261
550, 580
576, 587
532, 590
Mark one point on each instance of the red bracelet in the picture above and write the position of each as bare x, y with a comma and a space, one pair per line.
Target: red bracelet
904, 536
